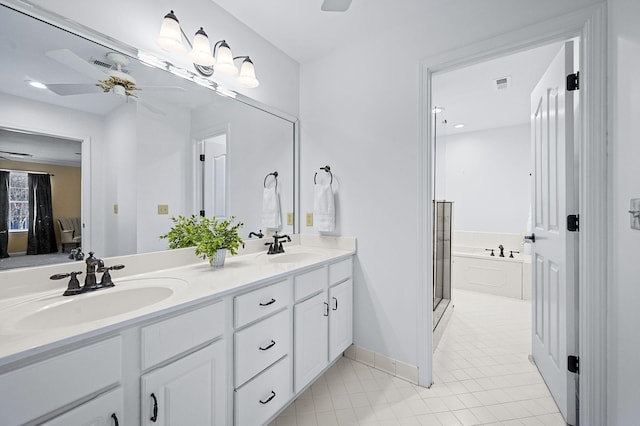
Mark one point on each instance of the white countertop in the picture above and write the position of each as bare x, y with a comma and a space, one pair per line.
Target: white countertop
200, 283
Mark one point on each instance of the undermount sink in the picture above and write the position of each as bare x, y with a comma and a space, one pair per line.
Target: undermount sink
127, 296
296, 257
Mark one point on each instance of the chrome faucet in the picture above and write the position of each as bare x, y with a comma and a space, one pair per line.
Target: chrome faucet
90, 282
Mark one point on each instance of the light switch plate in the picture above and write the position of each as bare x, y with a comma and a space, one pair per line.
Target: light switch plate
163, 209
289, 218
309, 219
634, 213
115, 209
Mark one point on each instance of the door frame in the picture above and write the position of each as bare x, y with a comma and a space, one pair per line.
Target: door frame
589, 24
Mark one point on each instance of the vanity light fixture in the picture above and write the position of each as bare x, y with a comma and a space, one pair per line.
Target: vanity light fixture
204, 60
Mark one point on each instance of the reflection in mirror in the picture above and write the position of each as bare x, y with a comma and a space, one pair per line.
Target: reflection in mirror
139, 143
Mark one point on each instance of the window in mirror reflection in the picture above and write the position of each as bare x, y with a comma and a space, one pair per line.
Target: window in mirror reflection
18, 201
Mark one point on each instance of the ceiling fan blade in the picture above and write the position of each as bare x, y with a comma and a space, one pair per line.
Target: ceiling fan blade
335, 5
68, 58
73, 89
163, 88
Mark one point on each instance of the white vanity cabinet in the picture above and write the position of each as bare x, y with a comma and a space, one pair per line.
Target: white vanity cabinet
262, 353
105, 410
323, 319
192, 389
189, 391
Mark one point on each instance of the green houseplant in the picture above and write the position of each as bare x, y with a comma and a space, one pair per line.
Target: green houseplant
211, 237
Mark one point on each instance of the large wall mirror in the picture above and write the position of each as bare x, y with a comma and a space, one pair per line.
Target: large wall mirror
125, 164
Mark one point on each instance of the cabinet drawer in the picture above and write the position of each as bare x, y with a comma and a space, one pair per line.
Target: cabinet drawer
37, 389
261, 398
310, 282
261, 302
173, 336
260, 345
103, 410
340, 271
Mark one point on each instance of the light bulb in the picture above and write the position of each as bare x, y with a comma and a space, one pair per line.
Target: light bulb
224, 60
201, 52
247, 77
170, 38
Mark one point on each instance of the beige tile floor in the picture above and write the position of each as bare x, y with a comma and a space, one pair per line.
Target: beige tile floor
482, 375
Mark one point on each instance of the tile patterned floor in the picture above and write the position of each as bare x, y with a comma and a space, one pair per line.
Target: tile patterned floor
482, 376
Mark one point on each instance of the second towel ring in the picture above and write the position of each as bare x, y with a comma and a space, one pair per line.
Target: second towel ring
326, 169
275, 176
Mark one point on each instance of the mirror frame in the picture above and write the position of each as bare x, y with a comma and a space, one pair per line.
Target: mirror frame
80, 30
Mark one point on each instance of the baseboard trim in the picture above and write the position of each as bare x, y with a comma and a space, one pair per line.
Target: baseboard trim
383, 363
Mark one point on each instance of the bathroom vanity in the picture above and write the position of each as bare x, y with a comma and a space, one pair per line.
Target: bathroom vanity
175, 342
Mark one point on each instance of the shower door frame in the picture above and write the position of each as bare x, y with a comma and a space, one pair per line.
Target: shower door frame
589, 24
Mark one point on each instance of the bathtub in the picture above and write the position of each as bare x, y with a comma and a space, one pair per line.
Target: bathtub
473, 268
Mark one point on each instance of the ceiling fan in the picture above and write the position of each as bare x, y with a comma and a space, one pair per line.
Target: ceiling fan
110, 75
335, 5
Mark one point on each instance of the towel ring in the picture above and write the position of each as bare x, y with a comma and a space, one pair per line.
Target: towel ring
326, 169
275, 176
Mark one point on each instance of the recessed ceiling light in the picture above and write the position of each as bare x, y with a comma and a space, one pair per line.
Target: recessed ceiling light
37, 85
459, 126
437, 110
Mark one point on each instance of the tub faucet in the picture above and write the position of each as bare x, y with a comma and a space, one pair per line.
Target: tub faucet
501, 247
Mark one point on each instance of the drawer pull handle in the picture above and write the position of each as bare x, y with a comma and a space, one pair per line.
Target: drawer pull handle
154, 418
269, 346
266, 401
115, 419
270, 302
335, 300
326, 311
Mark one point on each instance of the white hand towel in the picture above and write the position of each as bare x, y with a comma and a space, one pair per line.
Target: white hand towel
324, 210
271, 218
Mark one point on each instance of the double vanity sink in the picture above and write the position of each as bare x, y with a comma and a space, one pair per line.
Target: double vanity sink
253, 334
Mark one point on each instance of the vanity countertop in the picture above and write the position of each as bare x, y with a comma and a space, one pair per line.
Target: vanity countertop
192, 284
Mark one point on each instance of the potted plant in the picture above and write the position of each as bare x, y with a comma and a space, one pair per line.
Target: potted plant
211, 237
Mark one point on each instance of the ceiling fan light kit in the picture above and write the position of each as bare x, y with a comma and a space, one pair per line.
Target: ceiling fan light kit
206, 62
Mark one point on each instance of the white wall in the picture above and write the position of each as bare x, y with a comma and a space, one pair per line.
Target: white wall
359, 114
137, 23
486, 175
624, 268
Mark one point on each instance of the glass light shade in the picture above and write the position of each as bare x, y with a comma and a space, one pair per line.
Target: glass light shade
170, 37
247, 77
201, 52
224, 60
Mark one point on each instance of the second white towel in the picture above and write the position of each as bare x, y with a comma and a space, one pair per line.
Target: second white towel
324, 210
271, 218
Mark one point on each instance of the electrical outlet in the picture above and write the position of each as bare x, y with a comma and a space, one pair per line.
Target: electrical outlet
309, 219
163, 209
289, 218
115, 209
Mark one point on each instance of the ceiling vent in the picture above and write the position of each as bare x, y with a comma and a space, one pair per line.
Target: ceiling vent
502, 83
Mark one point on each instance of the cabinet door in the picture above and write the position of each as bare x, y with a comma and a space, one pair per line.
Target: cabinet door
310, 325
340, 318
189, 391
105, 410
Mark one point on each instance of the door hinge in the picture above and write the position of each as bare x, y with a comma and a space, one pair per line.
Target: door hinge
573, 82
573, 364
201, 157
573, 223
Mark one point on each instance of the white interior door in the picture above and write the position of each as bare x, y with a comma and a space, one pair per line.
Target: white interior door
554, 250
